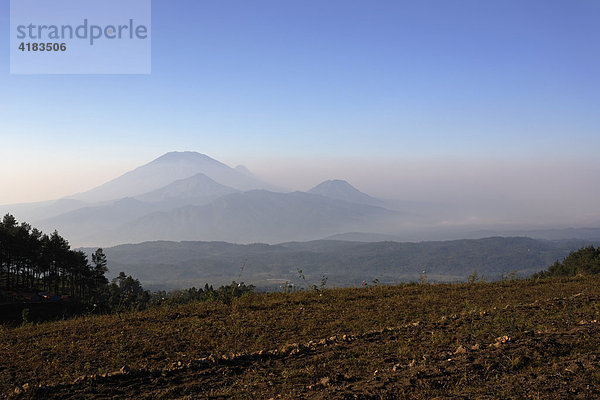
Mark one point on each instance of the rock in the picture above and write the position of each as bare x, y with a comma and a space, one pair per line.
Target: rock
573, 368
501, 340
460, 350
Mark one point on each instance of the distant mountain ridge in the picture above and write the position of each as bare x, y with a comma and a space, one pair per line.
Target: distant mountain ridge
191, 196
165, 170
195, 187
255, 216
168, 264
342, 190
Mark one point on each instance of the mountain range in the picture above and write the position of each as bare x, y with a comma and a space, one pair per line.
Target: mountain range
191, 196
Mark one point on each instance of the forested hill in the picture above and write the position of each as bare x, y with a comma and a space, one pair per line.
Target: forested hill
185, 264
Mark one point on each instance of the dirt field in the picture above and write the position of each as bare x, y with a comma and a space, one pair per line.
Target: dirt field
508, 340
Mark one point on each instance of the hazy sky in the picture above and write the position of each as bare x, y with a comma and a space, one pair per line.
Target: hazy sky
403, 98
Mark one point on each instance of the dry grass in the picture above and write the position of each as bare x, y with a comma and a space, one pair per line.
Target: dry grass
431, 324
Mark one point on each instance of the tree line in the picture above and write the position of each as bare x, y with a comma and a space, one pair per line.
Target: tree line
33, 261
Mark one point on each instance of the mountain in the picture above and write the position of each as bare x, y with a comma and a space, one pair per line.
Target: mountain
166, 170
255, 216
95, 222
342, 190
244, 170
191, 190
190, 196
86, 224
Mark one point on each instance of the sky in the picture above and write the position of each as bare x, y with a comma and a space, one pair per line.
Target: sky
405, 99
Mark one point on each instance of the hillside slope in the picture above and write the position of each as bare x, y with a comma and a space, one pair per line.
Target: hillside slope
484, 341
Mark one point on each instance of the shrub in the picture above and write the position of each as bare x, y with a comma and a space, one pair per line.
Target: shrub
585, 261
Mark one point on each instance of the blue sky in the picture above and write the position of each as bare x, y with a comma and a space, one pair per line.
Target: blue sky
249, 82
